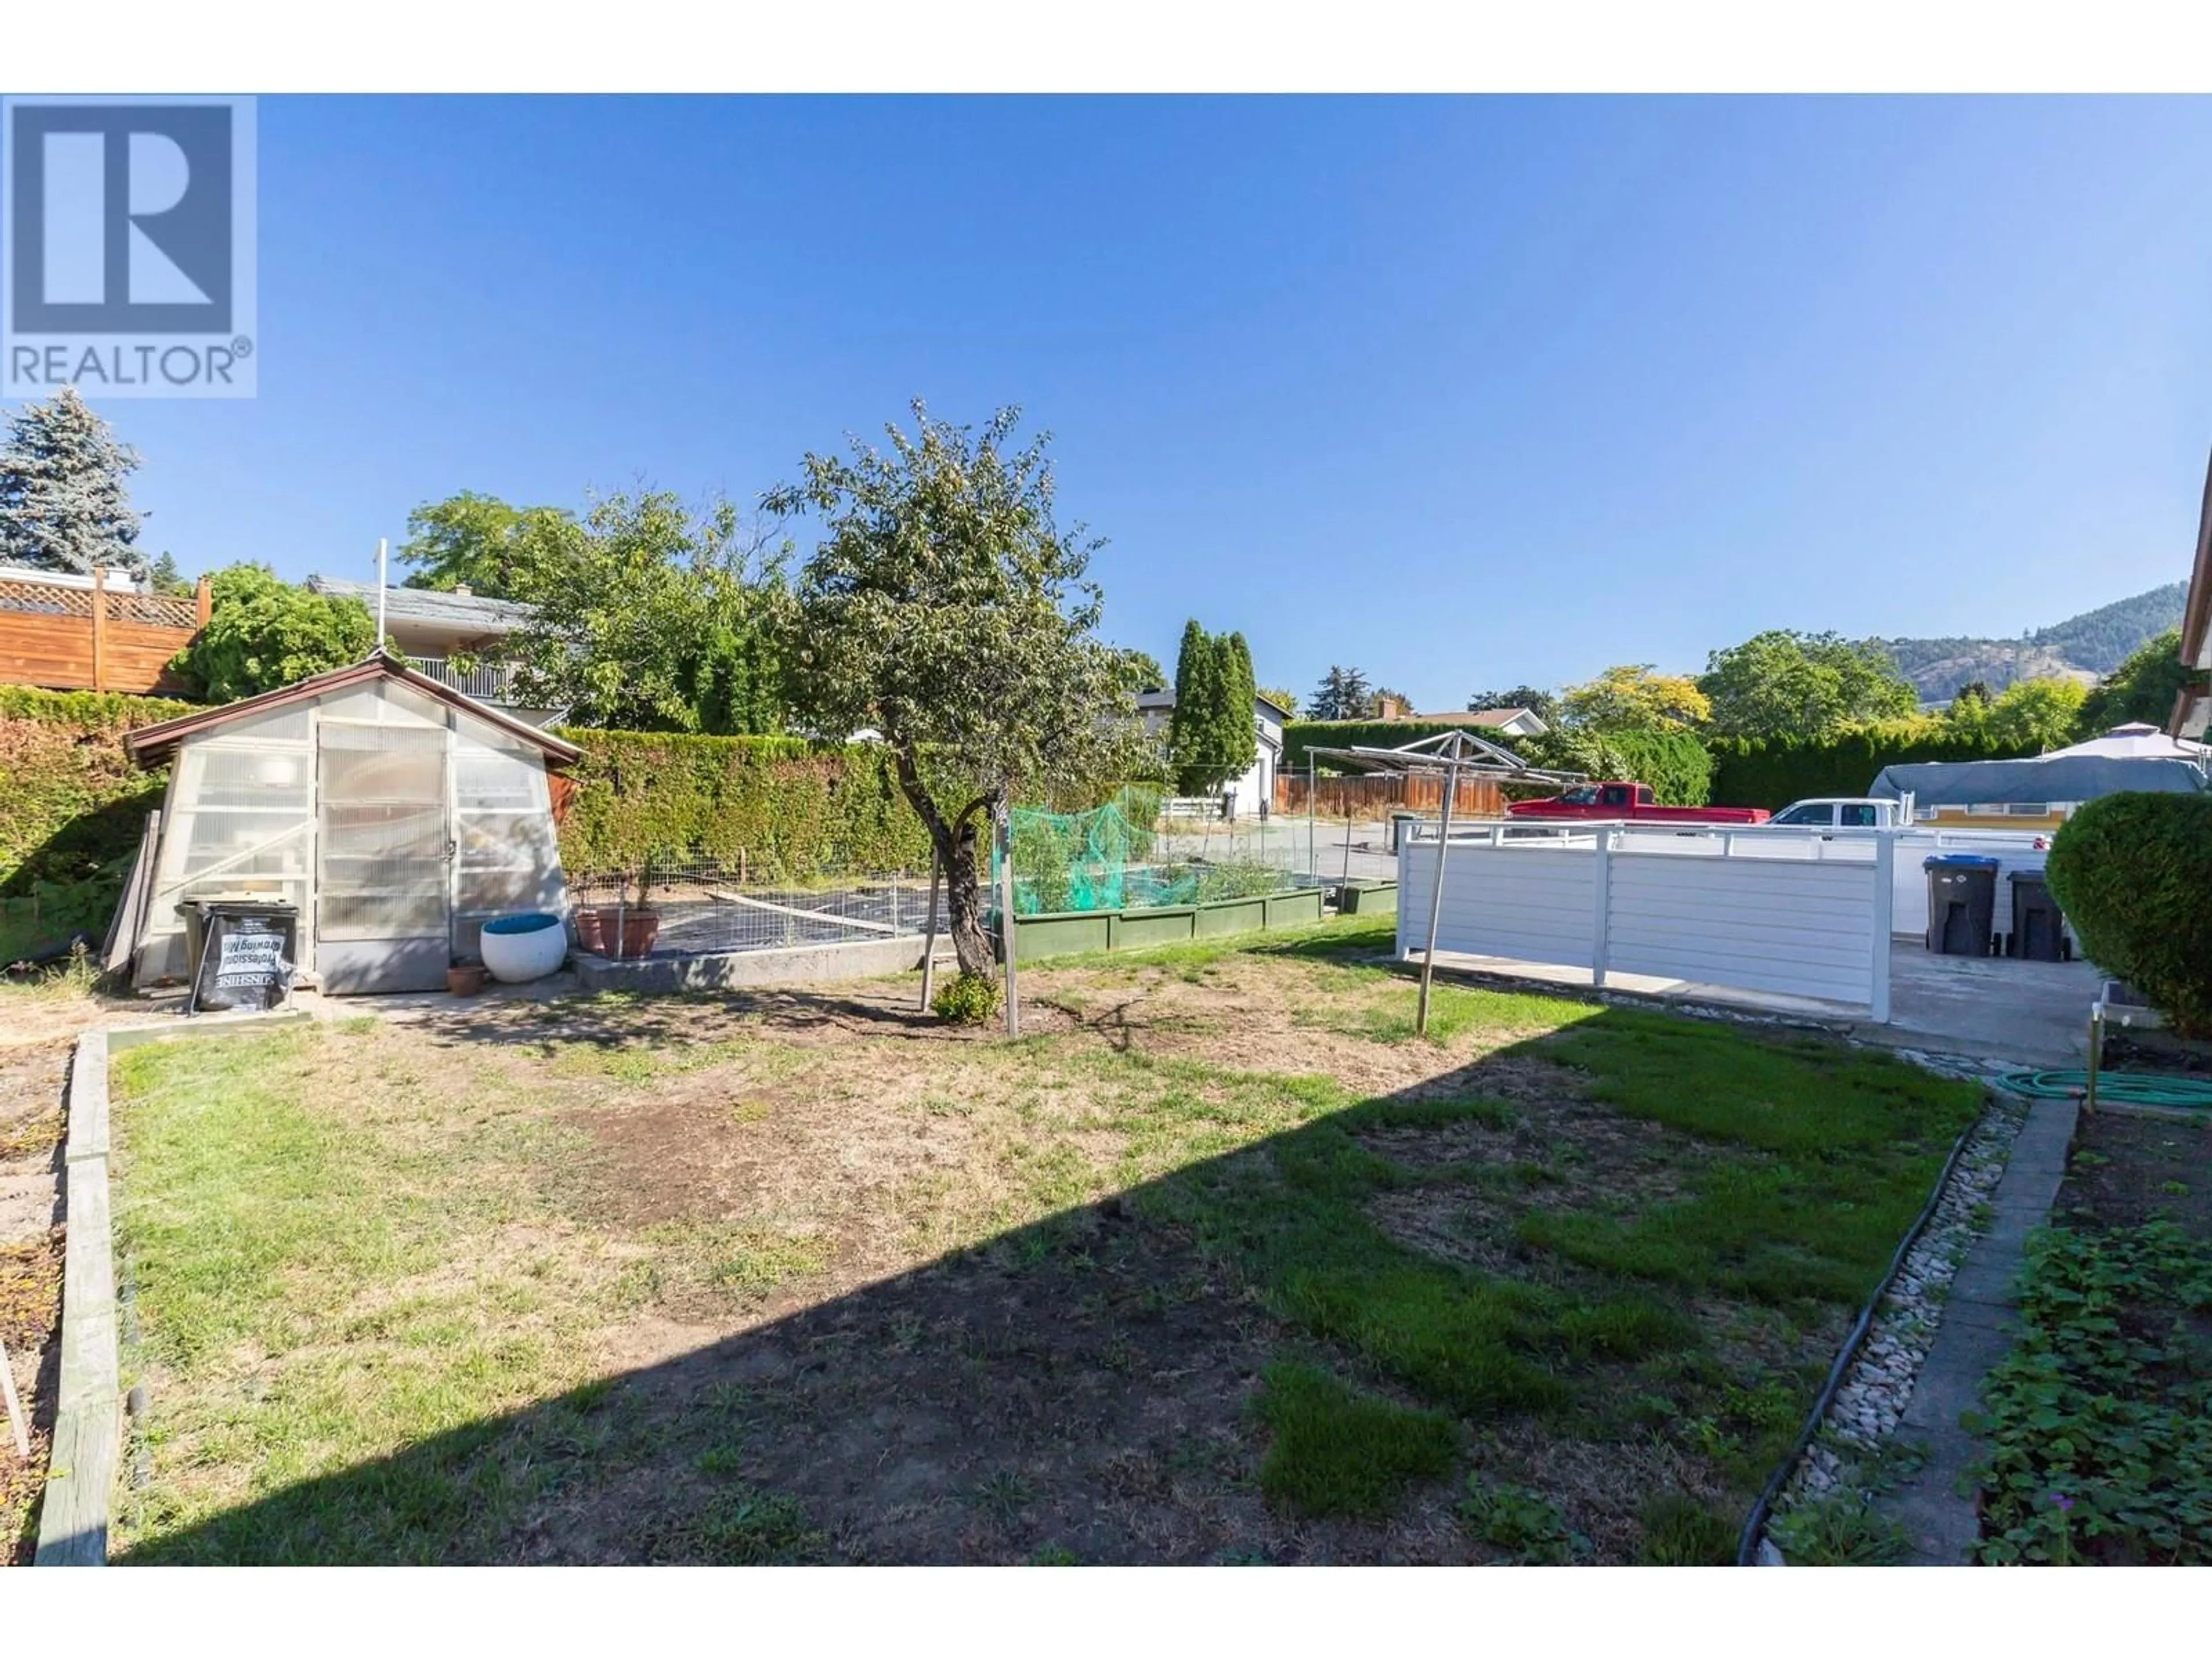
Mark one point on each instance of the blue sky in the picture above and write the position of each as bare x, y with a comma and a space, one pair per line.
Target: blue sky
1466, 393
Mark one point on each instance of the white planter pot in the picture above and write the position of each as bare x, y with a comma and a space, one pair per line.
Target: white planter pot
519, 949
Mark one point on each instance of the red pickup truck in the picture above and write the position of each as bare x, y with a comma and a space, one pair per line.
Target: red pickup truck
1631, 801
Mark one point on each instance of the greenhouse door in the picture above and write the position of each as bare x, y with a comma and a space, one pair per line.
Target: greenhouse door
385, 860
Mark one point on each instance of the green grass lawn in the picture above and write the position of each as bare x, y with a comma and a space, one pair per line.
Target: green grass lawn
1220, 1262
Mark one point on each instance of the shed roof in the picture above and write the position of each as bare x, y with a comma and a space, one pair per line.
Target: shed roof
153, 745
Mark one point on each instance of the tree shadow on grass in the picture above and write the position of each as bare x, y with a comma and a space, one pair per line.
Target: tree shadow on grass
1089, 1386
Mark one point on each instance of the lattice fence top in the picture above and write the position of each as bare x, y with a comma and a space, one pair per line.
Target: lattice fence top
35, 598
153, 610
43, 599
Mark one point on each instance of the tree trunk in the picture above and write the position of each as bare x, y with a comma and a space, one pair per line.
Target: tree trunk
956, 840
963, 898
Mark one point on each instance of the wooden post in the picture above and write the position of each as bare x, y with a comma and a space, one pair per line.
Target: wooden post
929, 934
203, 602
1007, 916
14, 1406
2096, 1055
1436, 901
98, 628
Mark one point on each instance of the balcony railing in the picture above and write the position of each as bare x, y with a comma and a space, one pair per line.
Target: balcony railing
487, 682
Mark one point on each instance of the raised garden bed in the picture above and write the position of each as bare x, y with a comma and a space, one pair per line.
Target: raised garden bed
1067, 932
1368, 898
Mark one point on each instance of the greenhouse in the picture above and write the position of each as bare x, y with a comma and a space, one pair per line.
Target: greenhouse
394, 815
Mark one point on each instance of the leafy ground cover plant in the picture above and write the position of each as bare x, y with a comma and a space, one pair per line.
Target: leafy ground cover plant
2100, 1418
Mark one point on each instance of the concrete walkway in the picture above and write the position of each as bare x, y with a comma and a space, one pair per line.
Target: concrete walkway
1976, 1331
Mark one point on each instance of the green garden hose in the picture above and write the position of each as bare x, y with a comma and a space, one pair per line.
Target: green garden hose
2135, 1088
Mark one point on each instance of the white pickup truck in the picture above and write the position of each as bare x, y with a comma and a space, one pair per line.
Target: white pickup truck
1843, 812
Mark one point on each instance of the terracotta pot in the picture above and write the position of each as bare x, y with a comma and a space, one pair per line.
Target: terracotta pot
592, 931
638, 930
466, 979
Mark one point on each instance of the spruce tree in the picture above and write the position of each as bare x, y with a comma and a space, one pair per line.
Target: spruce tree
63, 503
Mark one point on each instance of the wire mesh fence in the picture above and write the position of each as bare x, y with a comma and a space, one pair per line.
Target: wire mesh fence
1142, 849
1145, 848
693, 906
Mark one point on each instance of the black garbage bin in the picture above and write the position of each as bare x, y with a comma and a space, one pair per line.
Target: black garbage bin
248, 952
2039, 933
1962, 901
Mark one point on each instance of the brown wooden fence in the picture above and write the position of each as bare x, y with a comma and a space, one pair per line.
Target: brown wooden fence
79, 639
1379, 793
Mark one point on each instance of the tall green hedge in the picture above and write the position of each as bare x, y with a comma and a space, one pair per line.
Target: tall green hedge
788, 806
71, 803
1771, 772
1676, 764
72, 807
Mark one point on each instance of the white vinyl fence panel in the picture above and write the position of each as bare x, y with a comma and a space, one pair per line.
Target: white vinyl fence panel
2014, 850
1792, 927
1780, 914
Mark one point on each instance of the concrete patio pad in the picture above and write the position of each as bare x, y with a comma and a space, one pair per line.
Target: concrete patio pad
2030, 1014
2034, 1013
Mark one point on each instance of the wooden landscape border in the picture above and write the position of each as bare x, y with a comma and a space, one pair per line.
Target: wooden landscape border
77, 1508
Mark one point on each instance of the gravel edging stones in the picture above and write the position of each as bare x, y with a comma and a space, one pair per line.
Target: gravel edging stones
1881, 1479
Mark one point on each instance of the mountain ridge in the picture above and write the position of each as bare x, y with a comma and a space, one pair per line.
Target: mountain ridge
2083, 647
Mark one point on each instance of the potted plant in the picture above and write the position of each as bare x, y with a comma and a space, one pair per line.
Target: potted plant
628, 927
592, 929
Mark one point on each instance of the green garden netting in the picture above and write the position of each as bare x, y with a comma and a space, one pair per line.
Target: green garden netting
1118, 857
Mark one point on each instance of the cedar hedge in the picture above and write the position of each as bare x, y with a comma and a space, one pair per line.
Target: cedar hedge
71, 804
72, 807
1773, 772
2133, 874
789, 807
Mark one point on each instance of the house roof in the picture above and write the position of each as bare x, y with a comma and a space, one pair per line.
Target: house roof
1156, 698
2191, 708
153, 745
423, 605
